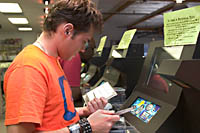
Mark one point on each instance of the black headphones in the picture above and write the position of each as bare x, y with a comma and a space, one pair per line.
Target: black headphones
67, 32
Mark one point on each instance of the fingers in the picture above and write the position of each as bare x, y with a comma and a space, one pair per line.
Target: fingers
108, 112
99, 103
96, 104
90, 108
114, 118
104, 101
110, 115
102, 121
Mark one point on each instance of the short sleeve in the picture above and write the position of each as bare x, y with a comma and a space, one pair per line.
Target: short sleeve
26, 92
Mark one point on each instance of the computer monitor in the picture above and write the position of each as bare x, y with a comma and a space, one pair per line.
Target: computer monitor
86, 77
160, 54
184, 73
102, 82
91, 72
161, 94
110, 75
144, 109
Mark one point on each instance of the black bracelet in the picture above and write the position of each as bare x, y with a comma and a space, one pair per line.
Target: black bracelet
85, 126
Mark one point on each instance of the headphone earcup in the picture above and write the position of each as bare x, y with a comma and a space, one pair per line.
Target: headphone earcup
66, 33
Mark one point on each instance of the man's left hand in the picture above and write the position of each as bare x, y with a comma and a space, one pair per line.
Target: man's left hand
95, 104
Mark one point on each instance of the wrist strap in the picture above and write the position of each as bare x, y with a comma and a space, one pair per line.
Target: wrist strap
85, 125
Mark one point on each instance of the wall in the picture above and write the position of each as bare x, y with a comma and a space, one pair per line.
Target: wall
27, 37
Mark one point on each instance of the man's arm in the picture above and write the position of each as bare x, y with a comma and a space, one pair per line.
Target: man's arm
30, 128
21, 128
100, 121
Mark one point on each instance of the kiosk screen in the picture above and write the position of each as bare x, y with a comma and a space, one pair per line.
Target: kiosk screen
87, 77
102, 82
144, 110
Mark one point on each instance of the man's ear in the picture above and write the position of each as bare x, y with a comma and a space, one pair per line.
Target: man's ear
68, 28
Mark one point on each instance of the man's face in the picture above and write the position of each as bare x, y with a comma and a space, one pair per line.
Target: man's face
73, 44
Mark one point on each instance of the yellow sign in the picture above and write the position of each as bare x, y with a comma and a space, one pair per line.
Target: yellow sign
182, 27
5, 64
102, 43
126, 39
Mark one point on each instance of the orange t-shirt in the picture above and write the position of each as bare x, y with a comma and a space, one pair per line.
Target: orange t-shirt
37, 91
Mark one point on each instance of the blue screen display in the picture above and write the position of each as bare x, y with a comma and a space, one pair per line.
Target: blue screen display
144, 110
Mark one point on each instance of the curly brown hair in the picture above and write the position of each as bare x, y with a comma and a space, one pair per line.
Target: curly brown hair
81, 13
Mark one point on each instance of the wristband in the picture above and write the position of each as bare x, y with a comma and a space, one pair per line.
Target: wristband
85, 126
75, 128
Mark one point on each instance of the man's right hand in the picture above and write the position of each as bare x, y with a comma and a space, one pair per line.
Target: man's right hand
102, 121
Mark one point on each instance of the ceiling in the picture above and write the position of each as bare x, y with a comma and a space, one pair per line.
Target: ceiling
119, 15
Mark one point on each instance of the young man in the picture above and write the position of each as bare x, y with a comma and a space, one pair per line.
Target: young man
38, 97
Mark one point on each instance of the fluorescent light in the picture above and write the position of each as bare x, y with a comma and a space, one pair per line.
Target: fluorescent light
179, 1
46, 3
18, 20
10, 8
25, 29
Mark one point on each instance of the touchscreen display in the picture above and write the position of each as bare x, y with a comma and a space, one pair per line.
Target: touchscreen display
87, 77
102, 82
144, 110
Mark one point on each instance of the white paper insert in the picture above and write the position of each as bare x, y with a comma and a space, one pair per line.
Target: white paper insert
105, 90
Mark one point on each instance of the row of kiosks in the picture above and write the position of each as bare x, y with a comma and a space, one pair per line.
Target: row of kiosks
110, 73
165, 97
167, 94
94, 69
167, 71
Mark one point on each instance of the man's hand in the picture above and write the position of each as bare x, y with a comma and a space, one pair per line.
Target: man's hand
102, 121
96, 104
92, 106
